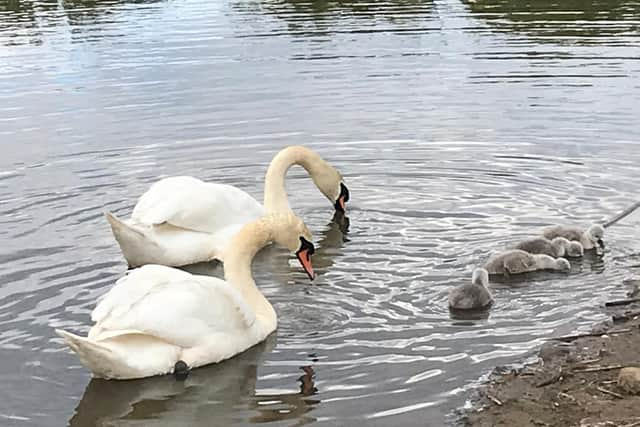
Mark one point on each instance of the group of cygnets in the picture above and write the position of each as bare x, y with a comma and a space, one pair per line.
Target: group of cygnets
546, 252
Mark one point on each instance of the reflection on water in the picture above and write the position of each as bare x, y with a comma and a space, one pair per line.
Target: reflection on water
222, 392
315, 17
569, 21
32, 20
460, 129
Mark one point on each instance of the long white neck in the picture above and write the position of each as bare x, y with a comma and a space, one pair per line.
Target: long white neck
275, 192
237, 263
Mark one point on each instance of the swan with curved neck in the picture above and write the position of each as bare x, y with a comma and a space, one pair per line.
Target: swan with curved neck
324, 176
183, 220
158, 320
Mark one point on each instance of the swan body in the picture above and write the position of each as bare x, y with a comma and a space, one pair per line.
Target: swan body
558, 247
474, 295
183, 220
589, 238
156, 316
516, 261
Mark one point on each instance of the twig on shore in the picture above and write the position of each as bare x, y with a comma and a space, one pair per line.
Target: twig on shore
586, 361
620, 302
553, 379
609, 392
567, 396
569, 338
540, 423
494, 399
598, 368
625, 316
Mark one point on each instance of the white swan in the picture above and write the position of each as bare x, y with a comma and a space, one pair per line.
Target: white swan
474, 295
183, 220
516, 261
588, 238
158, 319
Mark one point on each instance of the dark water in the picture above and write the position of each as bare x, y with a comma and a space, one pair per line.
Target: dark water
459, 126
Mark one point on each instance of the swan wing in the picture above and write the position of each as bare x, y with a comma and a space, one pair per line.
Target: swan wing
181, 311
192, 204
131, 288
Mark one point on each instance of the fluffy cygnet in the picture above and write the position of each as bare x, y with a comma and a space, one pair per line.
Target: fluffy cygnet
558, 247
516, 261
474, 295
589, 238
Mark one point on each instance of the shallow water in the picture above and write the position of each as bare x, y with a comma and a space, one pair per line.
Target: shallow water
459, 127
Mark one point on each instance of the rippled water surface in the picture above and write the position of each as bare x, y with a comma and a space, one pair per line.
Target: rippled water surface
459, 126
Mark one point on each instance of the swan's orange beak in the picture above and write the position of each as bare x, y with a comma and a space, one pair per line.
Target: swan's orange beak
305, 260
341, 204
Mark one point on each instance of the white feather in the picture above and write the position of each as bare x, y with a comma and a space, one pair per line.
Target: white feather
157, 315
182, 220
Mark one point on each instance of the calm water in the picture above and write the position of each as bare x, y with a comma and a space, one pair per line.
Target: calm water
459, 126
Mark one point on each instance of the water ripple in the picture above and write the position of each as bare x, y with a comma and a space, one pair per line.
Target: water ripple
460, 127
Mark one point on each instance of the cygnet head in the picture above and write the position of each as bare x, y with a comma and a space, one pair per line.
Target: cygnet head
562, 264
560, 244
480, 277
595, 233
291, 232
574, 250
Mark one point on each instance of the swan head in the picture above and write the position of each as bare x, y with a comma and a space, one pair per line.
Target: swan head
330, 183
292, 233
480, 277
562, 264
595, 233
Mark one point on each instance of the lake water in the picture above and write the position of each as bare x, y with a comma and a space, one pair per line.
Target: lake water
459, 127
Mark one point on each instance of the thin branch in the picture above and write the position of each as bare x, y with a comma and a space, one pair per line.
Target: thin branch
599, 368
609, 392
494, 399
621, 215
621, 302
568, 338
625, 316
553, 379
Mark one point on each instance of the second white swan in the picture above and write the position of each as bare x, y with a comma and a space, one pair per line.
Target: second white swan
183, 220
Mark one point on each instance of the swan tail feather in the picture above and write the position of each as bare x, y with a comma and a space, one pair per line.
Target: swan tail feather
132, 242
95, 356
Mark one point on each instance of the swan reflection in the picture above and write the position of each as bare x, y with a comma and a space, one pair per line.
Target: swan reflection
221, 394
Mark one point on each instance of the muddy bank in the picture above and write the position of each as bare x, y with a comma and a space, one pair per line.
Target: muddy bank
573, 383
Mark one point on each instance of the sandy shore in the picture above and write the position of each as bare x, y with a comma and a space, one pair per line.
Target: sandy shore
574, 382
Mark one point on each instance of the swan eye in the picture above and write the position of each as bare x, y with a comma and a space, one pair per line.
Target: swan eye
344, 191
306, 245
